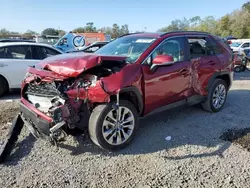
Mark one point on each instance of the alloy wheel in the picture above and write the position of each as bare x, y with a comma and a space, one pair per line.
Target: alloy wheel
219, 96
118, 126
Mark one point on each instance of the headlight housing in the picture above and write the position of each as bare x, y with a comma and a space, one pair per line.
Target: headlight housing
28, 74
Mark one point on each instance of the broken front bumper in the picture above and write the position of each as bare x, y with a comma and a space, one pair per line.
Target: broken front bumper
35, 119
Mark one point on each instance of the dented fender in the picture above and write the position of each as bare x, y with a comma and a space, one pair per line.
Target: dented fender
111, 85
130, 75
94, 93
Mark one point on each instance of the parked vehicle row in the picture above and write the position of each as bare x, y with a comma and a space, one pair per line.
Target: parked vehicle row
16, 57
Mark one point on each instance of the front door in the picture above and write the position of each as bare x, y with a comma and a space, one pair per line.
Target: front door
167, 84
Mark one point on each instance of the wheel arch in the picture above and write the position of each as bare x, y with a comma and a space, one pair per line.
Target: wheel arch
133, 95
6, 79
226, 76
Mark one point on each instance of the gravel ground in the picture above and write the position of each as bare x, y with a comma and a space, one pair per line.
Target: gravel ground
195, 156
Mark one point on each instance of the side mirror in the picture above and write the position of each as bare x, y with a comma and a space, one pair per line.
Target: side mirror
162, 60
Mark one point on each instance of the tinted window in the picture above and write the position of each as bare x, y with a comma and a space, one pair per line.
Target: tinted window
2, 52
173, 47
18, 52
245, 45
92, 49
51, 52
200, 47
40, 52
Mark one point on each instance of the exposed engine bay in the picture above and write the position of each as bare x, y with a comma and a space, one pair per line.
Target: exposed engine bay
69, 100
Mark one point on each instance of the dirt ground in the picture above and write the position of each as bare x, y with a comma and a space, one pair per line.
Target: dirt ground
204, 150
8, 110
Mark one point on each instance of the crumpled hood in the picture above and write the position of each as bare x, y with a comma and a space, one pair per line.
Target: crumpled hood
73, 64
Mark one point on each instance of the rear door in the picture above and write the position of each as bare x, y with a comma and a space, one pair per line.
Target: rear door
15, 62
204, 62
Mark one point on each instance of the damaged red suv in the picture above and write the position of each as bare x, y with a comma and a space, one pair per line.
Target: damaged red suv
133, 76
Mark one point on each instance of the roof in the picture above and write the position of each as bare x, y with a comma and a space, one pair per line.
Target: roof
23, 43
160, 34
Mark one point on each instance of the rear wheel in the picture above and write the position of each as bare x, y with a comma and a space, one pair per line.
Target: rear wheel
216, 96
111, 129
238, 68
3, 86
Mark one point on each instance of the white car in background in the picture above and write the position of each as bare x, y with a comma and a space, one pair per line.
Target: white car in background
239, 46
15, 57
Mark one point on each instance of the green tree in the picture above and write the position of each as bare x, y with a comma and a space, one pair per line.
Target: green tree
79, 30
115, 31
246, 6
4, 31
107, 30
124, 29
90, 27
194, 22
30, 33
50, 31
177, 25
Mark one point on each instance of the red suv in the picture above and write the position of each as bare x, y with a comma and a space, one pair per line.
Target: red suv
133, 76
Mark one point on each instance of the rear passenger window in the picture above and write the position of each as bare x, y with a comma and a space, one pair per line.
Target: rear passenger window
200, 47
51, 52
2, 53
18, 52
40, 52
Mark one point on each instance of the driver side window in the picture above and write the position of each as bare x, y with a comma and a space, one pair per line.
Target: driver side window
173, 47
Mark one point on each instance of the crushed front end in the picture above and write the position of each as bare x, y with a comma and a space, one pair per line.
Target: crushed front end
50, 102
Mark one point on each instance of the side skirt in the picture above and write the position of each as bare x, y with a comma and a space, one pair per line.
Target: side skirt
196, 99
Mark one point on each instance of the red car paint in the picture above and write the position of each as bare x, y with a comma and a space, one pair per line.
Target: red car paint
71, 65
165, 86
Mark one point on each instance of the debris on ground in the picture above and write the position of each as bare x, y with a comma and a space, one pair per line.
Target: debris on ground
168, 138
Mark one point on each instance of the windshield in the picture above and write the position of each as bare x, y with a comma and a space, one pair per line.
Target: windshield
130, 46
235, 44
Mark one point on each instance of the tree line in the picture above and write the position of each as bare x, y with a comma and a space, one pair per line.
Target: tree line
236, 24
115, 31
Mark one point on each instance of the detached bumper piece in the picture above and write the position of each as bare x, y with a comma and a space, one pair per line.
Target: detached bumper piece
37, 126
12, 137
41, 128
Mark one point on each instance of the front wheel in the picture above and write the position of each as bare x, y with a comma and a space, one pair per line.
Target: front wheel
111, 128
3, 86
216, 96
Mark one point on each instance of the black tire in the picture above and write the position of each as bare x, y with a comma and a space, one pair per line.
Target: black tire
208, 104
96, 122
243, 68
237, 68
3, 86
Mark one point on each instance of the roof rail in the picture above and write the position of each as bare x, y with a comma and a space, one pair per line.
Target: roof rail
201, 32
131, 34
